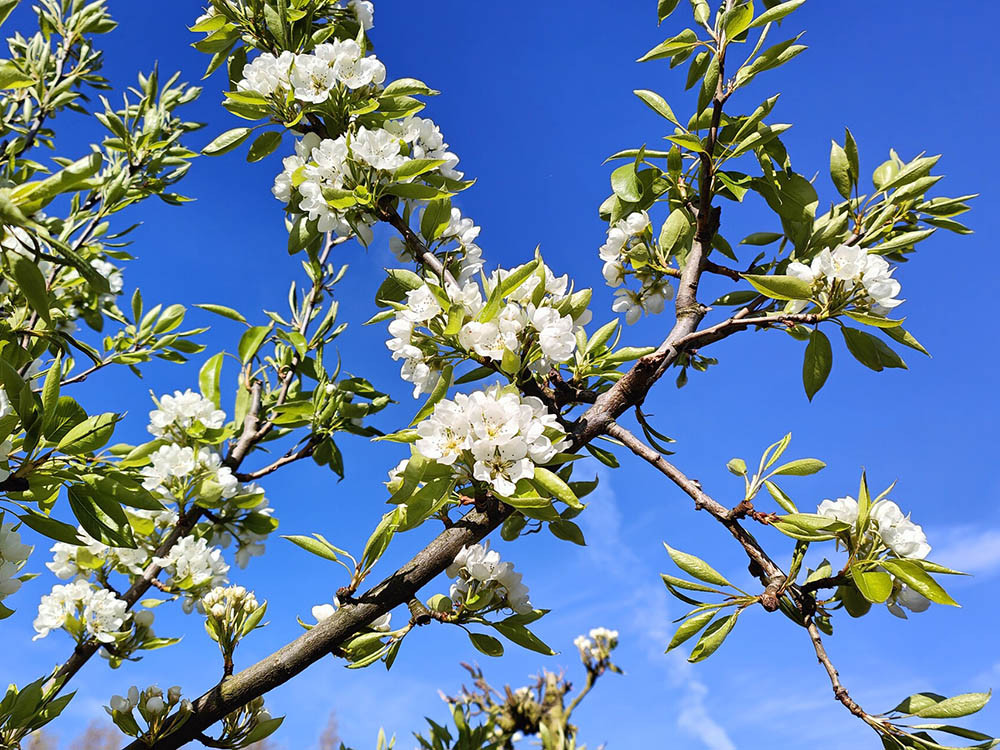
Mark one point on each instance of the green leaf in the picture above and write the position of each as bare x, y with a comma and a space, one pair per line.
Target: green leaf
625, 183
776, 13
550, 483
817, 362
689, 627
801, 467
487, 644
870, 351
840, 170
873, 320
416, 167
436, 217
567, 531
11, 77
874, 585
683, 42
674, 228
439, 392
251, 341
522, 636
657, 103
209, 377
932, 706
906, 338
315, 546
780, 287
31, 283
90, 434
101, 517
910, 573
417, 191
227, 141
688, 141
713, 637
780, 497
408, 87
50, 527
761, 238
696, 567
264, 145
664, 8
737, 20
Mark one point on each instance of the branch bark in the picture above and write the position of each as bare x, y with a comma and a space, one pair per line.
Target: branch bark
290, 660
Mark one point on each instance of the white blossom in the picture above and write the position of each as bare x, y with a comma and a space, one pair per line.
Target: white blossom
907, 598
267, 75
364, 11
13, 554
500, 433
182, 410
864, 274
905, 538
480, 566
99, 611
843, 509
194, 563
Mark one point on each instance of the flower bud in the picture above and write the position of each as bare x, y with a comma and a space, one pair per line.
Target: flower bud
174, 694
155, 705
119, 703
143, 619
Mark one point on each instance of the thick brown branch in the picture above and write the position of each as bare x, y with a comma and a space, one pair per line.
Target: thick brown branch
282, 665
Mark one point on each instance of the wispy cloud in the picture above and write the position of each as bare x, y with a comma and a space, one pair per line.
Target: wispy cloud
608, 548
969, 549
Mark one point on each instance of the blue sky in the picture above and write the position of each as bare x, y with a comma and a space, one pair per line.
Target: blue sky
535, 96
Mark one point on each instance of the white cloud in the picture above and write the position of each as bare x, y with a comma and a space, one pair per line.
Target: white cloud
969, 549
608, 549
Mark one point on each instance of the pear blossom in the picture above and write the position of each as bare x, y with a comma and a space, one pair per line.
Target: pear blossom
902, 536
364, 11
183, 410
477, 565
865, 275
196, 565
844, 509
495, 435
99, 611
267, 75
907, 598
13, 555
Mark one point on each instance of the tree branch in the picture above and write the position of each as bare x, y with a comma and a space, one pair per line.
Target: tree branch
762, 566
328, 635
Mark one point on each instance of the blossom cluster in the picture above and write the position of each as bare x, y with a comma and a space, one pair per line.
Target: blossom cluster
73, 560
629, 239
83, 609
182, 411
314, 77
154, 708
598, 647
533, 324
478, 572
366, 158
13, 555
494, 436
193, 566
849, 273
900, 535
